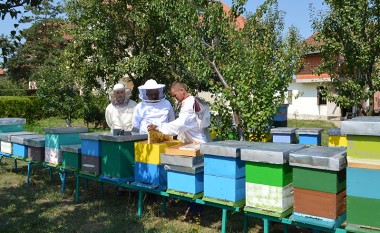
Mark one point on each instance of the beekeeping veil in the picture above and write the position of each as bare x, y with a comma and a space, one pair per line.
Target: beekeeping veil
151, 91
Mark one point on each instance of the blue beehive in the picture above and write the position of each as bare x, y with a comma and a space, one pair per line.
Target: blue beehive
185, 182
224, 166
224, 172
284, 134
90, 144
309, 136
151, 174
19, 144
224, 189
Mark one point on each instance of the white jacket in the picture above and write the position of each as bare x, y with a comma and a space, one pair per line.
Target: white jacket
152, 113
186, 125
120, 118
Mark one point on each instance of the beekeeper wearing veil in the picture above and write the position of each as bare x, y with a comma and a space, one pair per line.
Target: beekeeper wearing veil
153, 108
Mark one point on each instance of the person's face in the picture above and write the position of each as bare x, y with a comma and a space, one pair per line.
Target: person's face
153, 94
119, 96
178, 94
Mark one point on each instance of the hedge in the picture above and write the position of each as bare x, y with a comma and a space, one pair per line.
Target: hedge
17, 92
28, 107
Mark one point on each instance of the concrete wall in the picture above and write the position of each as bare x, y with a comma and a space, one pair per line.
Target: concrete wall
304, 104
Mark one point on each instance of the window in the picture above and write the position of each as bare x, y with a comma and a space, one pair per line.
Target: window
320, 98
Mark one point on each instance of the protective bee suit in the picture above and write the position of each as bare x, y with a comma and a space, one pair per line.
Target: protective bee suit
154, 108
186, 126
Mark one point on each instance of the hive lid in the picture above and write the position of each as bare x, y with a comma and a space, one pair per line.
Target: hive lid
6, 137
63, 130
274, 153
35, 142
312, 131
12, 121
320, 157
123, 138
21, 139
283, 130
91, 136
75, 148
190, 170
361, 126
335, 132
180, 160
228, 148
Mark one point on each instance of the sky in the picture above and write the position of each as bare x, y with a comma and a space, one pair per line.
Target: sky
297, 12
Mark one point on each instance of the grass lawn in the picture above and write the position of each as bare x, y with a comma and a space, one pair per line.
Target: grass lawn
42, 208
326, 125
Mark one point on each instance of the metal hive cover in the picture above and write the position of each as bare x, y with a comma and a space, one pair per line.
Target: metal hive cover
75, 148
179, 160
283, 130
20, 139
361, 126
312, 131
190, 170
335, 132
91, 136
275, 153
320, 157
35, 142
6, 137
123, 138
65, 130
12, 121
228, 148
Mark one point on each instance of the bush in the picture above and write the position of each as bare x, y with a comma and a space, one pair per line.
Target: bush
21, 107
17, 92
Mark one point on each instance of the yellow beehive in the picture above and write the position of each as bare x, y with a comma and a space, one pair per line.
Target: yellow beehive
150, 153
337, 140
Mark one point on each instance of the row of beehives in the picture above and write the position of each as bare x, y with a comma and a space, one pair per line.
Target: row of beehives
269, 178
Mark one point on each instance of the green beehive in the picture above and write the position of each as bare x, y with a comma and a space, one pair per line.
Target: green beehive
278, 175
11, 124
71, 156
363, 211
319, 180
118, 154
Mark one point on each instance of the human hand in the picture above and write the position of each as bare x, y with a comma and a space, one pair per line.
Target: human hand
151, 127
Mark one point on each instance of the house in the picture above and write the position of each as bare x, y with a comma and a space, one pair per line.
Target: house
304, 96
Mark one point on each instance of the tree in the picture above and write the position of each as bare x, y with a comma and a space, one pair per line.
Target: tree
12, 6
246, 69
44, 41
114, 39
60, 94
349, 36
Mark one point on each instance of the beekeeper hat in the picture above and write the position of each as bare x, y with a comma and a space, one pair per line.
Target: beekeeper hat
151, 84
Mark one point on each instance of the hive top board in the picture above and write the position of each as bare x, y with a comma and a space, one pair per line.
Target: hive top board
228, 148
64, 130
320, 157
75, 148
12, 121
274, 153
283, 130
21, 139
310, 131
131, 136
6, 137
335, 132
369, 126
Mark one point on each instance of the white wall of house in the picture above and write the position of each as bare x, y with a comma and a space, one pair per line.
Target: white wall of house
304, 103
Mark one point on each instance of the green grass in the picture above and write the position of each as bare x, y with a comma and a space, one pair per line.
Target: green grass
326, 125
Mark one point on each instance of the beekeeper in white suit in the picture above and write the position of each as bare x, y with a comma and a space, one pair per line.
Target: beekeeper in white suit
119, 112
192, 122
153, 108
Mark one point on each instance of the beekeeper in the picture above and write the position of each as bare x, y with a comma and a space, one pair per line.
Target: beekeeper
188, 126
119, 112
153, 108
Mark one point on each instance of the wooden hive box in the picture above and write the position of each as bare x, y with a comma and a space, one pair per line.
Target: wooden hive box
188, 149
320, 204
